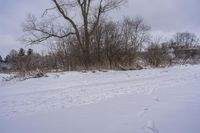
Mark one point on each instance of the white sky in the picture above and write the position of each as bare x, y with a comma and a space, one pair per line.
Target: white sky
165, 17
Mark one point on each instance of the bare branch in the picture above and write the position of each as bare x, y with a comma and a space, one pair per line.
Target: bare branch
62, 12
42, 31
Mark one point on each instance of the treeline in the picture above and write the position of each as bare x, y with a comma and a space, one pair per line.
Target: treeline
125, 45
81, 37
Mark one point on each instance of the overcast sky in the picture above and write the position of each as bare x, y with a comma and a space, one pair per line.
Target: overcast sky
164, 16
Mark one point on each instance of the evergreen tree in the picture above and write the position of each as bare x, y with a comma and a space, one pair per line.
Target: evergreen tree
1, 59
30, 52
21, 52
7, 59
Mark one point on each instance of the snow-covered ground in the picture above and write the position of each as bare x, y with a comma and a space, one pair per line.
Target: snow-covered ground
147, 101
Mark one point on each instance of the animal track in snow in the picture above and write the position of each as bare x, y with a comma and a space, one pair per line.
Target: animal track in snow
150, 127
143, 112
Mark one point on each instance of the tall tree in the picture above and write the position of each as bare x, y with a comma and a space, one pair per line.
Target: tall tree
88, 12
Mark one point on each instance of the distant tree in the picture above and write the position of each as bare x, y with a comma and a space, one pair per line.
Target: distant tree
21, 65
30, 52
21, 52
1, 59
134, 34
185, 40
11, 57
7, 58
30, 60
13, 53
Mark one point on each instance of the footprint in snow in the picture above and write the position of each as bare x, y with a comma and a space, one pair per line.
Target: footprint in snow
156, 99
143, 112
150, 127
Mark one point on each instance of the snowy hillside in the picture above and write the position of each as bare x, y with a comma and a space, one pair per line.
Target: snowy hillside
148, 101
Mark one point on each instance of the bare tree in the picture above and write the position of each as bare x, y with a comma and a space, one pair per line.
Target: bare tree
88, 12
183, 44
98, 39
112, 43
154, 52
134, 34
159, 52
185, 39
